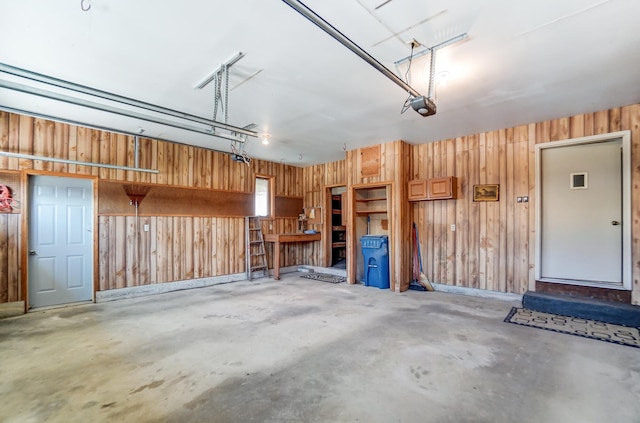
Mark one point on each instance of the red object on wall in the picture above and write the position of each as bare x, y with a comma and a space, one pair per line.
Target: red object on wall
6, 199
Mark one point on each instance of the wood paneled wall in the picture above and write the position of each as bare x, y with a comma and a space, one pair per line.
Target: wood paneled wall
395, 169
177, 247
493, 246
318, 177
174, 249
10, 266
10, 289
178, 164
316, 181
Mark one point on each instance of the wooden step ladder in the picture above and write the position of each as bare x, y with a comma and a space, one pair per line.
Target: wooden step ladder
256, 256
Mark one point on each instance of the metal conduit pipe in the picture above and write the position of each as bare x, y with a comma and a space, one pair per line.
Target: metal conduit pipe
60, 83
301, 8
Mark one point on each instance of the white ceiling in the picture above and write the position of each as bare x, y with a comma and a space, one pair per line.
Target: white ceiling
524, 61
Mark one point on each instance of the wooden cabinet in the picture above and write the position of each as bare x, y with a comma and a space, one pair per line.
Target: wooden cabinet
433, 189
442, 188
417, 190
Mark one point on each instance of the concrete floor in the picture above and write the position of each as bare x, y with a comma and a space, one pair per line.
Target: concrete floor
298, 350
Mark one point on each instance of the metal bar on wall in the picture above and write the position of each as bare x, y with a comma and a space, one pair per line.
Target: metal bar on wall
75, 162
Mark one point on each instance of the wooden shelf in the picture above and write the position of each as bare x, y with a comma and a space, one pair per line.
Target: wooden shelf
339, 244
338, 228
366, 200
366, 212
371, 200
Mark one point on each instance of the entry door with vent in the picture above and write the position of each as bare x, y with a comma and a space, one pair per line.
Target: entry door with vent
582, 214
60, 240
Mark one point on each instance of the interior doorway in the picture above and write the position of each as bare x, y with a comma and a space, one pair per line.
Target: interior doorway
60, 244
583, 219
337, 227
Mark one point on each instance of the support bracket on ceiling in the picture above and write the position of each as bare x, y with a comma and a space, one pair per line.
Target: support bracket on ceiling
433, 51
220, 79
428, 50
206, 81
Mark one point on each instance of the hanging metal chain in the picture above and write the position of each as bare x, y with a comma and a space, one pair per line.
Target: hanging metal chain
226, 93
216, 95
220, 99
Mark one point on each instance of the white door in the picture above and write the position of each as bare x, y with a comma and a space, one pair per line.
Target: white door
60, 240
582, 214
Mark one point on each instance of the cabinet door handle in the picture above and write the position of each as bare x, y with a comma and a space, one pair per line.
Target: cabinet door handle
615, 222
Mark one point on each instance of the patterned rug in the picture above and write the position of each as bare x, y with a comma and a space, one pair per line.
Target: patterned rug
324, 277
593, 329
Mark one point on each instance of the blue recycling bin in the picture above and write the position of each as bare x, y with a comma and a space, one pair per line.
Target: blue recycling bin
375, 249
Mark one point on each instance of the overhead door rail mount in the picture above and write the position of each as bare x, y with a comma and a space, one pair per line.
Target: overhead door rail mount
210, 125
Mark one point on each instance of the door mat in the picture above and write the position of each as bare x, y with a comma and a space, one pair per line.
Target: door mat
593, 329
324, 277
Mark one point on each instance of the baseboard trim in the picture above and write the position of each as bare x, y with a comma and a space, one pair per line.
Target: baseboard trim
319, 269
160, 288
12, 309
474, 292
284, 270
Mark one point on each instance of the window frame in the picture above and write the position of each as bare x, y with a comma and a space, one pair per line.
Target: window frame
270, 195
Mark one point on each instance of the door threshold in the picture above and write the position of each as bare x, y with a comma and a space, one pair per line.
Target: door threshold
56, 306
605, 285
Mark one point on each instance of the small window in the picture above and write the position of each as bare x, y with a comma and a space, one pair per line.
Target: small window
579, 180
262, 196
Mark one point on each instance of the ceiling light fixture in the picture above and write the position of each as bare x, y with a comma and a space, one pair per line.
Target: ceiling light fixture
265, 139
442, 78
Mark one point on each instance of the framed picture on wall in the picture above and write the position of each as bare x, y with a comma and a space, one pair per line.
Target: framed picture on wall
486, 192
